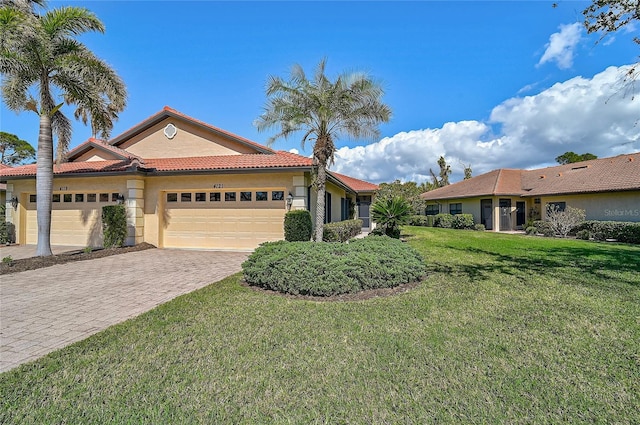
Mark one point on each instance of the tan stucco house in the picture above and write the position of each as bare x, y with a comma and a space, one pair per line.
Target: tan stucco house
504, 199
185, 184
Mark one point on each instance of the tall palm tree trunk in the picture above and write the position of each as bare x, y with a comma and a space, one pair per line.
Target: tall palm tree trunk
44, 185
321, 181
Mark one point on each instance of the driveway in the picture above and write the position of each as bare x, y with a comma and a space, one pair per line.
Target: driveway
47, 309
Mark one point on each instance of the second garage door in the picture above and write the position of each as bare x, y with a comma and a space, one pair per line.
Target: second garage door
226, 219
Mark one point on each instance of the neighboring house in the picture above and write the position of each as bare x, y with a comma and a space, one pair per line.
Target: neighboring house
505, 199
185, 184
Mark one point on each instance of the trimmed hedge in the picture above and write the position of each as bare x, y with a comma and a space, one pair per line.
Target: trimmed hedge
621, 231
298, 226
324, 269
114, 225
443, 220
462, 221
341, 231
421, 220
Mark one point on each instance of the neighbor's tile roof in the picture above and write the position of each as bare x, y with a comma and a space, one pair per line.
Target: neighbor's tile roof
618, 173
494, 183
355, 184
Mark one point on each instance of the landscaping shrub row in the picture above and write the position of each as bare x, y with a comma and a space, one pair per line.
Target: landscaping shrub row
447, 221
341, 231
597, 230
325, 269
603, 230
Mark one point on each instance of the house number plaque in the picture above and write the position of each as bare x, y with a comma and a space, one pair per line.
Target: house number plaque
218, 185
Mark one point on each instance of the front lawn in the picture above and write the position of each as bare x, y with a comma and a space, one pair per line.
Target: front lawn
505, 329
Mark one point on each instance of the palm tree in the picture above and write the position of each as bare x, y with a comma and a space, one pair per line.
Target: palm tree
40, 53
390, 214
323, 110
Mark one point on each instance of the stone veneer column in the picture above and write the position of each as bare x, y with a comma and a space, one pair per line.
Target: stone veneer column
135, 212
299, 194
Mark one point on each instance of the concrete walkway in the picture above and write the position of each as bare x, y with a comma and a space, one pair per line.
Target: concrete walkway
47, 309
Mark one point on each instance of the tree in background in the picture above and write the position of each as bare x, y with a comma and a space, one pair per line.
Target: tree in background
609, 16
467, 171
571, 157
41, 53
323, 110
14, 151
409, 191
442, 179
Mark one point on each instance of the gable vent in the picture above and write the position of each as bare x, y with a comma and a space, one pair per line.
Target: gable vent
630, 159
542, 176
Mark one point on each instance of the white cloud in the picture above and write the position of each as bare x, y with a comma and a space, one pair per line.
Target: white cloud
580, 115
294, 150
561, 46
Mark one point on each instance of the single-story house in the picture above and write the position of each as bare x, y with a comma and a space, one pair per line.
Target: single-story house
505, 199
185, 184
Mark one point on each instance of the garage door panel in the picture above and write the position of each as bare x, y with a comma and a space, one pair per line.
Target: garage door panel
68, 227
222, 228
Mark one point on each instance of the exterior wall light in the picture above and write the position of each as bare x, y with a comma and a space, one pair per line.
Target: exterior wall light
14, 202
120, 199
289, 201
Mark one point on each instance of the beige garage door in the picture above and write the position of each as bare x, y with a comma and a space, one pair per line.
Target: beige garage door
228, 219
75, 218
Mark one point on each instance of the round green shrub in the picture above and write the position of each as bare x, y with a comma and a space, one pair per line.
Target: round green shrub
325, 269
298, 226
443, 220
479, 227
462, 221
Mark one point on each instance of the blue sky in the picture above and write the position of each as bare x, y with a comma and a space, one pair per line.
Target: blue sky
509, 84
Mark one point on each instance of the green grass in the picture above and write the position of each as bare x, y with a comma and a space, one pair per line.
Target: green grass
505, 329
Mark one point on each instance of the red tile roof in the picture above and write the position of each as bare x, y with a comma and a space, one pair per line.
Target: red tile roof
70, 168
228, 162
355, 184
100, 145
201, 163
619, 173
266, 158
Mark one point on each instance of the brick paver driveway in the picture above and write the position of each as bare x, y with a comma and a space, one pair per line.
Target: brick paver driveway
46, 309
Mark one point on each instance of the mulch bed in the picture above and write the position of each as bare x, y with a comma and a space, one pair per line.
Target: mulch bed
33, 263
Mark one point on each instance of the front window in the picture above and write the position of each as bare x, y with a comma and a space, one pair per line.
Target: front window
432, 209
455, 208
556, 207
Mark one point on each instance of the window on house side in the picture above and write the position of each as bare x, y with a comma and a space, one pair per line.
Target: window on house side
432, 209
455, 208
